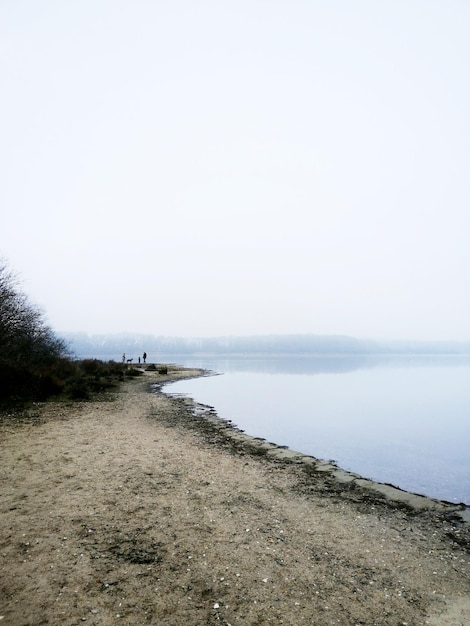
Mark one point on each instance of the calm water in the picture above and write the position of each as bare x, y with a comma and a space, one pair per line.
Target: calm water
400, 421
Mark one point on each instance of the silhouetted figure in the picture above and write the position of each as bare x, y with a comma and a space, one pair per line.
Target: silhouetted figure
145, 357
124, 357
139, 360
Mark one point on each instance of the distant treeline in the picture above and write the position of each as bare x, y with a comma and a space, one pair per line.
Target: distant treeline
133, 345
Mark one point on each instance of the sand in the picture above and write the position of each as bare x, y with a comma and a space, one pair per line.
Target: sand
129, 510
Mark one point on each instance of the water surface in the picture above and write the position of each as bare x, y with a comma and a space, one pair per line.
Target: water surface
404, 421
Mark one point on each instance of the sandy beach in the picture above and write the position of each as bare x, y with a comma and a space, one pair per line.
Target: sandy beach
130, 510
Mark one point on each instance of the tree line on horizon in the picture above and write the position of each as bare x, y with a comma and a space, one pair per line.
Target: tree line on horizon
112, 345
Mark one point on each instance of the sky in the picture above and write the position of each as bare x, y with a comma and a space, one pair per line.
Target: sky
239, 167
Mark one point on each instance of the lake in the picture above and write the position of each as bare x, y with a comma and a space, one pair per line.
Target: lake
400, 420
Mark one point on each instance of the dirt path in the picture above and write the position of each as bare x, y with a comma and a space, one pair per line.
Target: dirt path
117, 513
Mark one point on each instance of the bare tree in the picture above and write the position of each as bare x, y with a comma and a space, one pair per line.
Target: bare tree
27, 343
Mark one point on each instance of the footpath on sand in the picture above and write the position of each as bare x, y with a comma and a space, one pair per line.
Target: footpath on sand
144, 509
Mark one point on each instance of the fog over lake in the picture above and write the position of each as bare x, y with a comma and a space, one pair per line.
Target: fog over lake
400, 420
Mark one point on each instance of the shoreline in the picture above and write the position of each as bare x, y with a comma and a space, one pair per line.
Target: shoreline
135, 509
280, 452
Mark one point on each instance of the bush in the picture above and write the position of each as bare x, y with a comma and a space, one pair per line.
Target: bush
131, 372
93, 376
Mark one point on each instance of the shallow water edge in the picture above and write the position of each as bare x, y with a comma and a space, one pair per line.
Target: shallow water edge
386, 493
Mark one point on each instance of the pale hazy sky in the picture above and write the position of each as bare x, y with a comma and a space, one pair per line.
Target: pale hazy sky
239, 167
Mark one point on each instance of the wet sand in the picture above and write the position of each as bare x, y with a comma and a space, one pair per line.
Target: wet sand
145, 509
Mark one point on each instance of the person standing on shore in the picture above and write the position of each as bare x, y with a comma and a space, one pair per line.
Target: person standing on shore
144, 356
124, 357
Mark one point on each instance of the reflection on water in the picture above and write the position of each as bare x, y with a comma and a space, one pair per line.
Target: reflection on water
316, 364
401, 420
